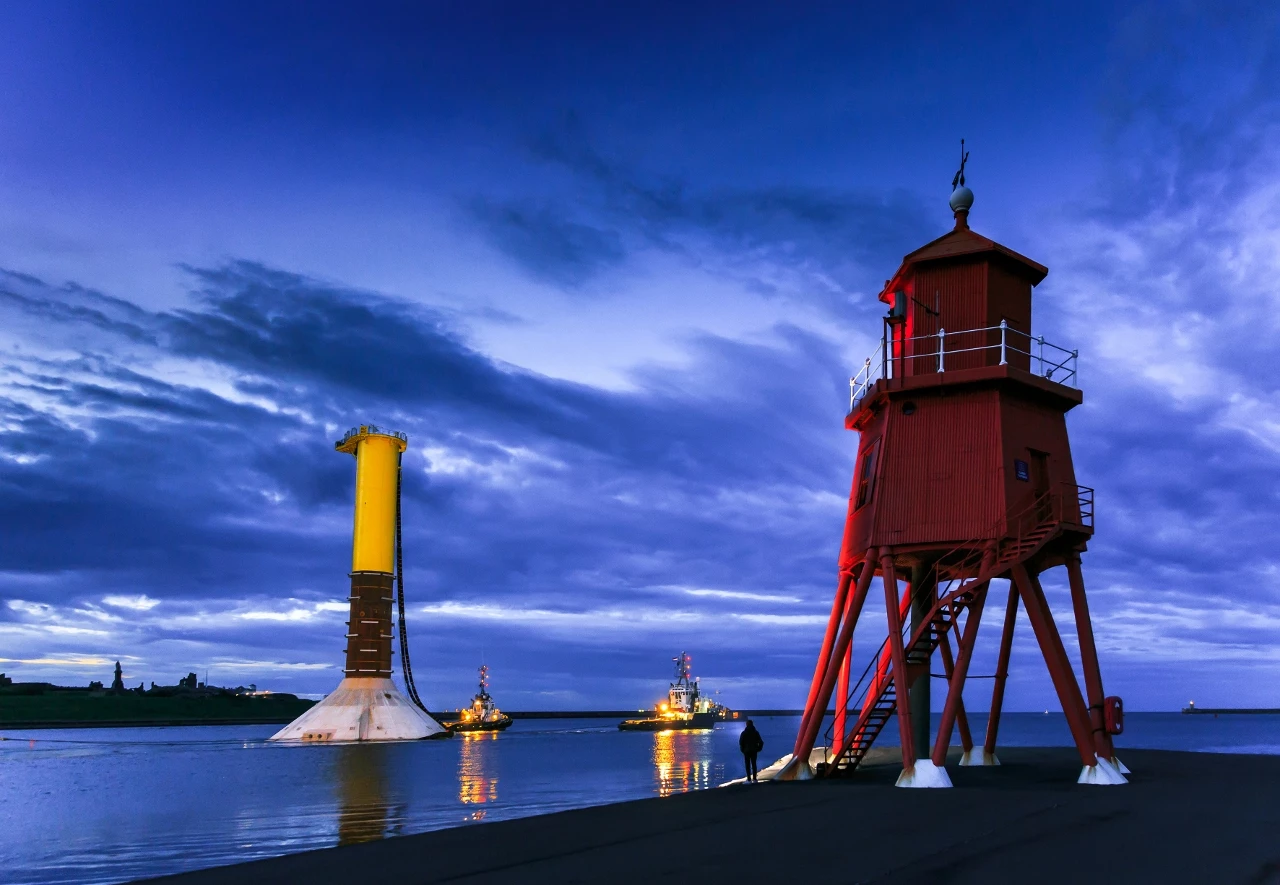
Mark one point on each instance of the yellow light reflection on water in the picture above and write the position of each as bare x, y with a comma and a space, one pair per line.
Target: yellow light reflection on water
363, 807
477, 783
681, 761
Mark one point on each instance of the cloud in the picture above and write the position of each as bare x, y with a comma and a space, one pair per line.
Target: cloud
734, 594
141, 603
62, 661
548, 243
824, 245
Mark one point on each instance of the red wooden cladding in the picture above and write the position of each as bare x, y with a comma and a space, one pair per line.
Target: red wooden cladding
960, 293
1009, 299
945, 466
940, 473
1030, 430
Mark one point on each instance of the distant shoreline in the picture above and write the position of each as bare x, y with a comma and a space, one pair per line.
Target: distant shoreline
134, 723
522, 714
173, 722
22, 707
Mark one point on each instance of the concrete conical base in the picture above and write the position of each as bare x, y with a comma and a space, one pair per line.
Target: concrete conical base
362, 709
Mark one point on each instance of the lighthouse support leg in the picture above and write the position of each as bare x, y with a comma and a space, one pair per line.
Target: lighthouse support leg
956, 687
962, 718
1089, 659
924, 593
828, 641
898, 655
1002, 675
884, 664
883, 674
1098, 771
1055, 657
809, 729
842, 698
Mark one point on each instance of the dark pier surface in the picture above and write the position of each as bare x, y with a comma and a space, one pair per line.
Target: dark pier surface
1183, 818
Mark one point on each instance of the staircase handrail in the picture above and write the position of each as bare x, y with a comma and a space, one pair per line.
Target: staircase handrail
870, 665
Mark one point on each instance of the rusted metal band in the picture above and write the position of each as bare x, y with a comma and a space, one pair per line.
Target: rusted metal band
369, 628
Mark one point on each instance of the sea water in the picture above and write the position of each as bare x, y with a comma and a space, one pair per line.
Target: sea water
111, 805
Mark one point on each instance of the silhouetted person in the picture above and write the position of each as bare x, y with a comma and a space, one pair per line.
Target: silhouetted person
750, 743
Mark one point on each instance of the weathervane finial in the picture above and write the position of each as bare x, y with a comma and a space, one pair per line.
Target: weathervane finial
961, 197
964, 158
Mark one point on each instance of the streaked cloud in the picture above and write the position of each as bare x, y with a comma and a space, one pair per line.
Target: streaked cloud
141, 603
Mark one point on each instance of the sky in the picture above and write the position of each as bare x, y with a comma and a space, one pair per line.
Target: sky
610, 267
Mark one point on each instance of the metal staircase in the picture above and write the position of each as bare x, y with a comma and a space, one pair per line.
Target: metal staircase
877, 702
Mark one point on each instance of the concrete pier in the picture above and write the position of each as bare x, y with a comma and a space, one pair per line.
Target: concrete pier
1183, 818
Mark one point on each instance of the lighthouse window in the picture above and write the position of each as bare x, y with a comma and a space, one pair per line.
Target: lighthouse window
908, 408
1022, 470
867, 475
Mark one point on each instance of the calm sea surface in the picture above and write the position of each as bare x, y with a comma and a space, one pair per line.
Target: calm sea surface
110, 805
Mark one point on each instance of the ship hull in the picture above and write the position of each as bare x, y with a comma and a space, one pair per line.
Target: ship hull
696, 722
496, 725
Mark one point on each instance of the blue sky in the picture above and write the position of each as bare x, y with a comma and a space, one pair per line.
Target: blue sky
610, 267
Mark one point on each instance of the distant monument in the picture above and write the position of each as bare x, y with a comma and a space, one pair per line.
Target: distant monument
117, 684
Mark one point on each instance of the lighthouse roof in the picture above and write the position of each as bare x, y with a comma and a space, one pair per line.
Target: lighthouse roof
963, 242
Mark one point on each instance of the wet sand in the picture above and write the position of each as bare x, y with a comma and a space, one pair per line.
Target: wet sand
1183, 818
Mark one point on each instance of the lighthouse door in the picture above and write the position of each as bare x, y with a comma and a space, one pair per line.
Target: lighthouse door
1040, 484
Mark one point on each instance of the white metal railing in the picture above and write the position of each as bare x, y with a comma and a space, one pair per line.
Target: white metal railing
371, 428
929, 353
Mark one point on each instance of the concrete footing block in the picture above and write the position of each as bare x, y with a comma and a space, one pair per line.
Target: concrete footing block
1101, 774
925, 775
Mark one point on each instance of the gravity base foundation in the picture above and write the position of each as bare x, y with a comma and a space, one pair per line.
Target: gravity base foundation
361, 709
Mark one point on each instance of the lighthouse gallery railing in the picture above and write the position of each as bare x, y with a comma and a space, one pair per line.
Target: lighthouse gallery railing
928, 353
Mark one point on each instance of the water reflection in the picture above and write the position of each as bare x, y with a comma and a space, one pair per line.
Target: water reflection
681, 761
363, 806
477, 772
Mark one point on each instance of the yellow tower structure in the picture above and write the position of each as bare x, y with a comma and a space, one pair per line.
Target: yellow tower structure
367, 705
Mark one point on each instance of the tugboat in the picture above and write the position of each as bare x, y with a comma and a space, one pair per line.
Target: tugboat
685, 708
483, 714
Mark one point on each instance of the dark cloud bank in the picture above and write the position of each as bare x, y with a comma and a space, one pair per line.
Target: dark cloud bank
186, 457
822, 245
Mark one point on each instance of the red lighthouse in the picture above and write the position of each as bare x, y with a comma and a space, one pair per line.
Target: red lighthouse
963, 477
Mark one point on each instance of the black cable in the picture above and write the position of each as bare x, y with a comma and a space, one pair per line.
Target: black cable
410, 688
